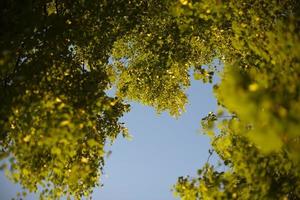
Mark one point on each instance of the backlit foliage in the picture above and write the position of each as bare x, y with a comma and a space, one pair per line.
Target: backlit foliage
259, 43
59, 58
55, 115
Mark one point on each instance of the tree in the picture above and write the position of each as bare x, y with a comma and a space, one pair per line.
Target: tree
55, 115
259, 143
58, 58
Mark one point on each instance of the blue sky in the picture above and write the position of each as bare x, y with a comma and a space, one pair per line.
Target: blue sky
162, 149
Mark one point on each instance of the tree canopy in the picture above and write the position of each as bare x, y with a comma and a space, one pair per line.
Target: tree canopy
259, 139
59, 58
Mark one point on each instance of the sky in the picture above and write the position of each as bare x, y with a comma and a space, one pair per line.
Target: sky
162, 149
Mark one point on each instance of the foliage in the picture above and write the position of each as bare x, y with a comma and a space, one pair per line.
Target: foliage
153, 61
250, 173
55, 115
259, 44
58, 58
